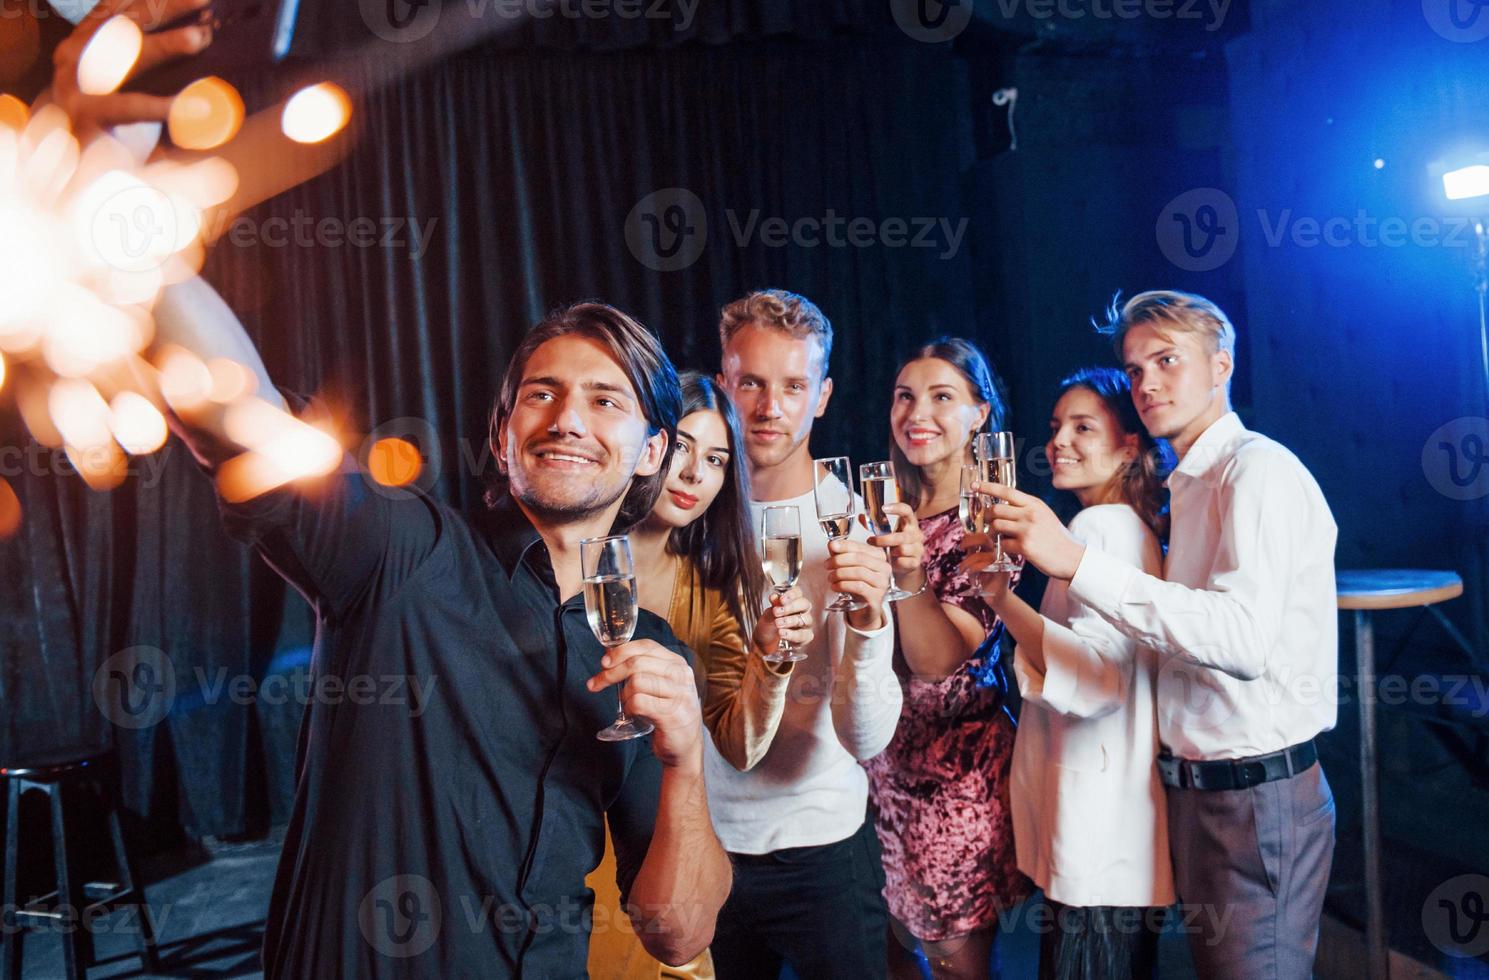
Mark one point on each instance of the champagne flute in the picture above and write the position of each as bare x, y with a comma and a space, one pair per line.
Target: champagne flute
780, 540
610, 605
879, 490
835, 512
995, 458
970, 507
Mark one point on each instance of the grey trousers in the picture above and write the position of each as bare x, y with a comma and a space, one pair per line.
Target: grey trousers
1251, 867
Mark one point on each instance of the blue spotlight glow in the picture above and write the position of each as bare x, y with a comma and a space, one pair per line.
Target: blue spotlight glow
1467, 183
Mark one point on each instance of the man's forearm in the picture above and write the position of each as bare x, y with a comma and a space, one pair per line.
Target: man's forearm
866, 695
675, 899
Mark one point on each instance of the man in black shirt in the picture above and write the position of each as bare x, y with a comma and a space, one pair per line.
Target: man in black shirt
451, 837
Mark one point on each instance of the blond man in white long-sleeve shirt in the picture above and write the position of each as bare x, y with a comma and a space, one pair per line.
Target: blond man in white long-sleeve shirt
1244, 621
808, 878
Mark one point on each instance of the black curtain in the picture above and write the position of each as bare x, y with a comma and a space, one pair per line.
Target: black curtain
526, 164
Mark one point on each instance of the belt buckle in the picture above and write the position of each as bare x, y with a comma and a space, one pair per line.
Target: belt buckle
1250, 773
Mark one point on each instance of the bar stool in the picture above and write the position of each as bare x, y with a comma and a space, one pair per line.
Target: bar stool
1364, 592
75, 902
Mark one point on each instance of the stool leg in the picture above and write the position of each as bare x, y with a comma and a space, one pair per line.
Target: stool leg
129, 878
10, 961
1377, 950
69, 893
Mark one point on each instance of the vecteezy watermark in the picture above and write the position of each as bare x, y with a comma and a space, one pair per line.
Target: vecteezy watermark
1199, 230
1460, 21
411, 20
668, 230
153, 17
1212, 12
932, 21
135, 687
1454, 458
38, 460
96, 920
140, 686
1455, 916
137, 228
401, 457
401, 916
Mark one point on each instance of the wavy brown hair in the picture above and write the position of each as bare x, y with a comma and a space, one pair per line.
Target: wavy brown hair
721, 544
647, 367
974, 368
1139, 482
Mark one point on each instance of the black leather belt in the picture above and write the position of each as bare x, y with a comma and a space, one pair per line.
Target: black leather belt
1236, 773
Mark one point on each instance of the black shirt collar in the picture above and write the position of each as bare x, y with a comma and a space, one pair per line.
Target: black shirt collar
510, 533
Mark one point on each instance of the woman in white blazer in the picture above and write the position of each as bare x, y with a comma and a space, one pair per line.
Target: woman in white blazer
1088, 808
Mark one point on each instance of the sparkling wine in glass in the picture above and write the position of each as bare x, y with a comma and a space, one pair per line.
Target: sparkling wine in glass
610, 605
780, 545
879, 490
995, 458
835, 512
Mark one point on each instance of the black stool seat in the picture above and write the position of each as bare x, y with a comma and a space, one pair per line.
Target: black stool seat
75, 904
56, 766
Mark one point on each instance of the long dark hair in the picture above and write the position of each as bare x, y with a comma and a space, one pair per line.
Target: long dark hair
973, 365
1139, 483
721, 544
646, 365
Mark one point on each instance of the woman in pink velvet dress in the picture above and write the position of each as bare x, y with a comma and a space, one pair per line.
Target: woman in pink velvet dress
941, 788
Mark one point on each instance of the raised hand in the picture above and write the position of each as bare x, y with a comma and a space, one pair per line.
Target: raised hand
92, 112
788, 617
659, 687
906, 548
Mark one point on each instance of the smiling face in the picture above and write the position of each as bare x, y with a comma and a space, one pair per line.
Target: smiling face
700, 465
1179, 382
1087, 446
577, 434
776, 383
934, 411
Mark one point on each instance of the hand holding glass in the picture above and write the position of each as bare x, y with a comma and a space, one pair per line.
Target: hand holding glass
780, 542
995, 458
880, 490
610, 604
833, 496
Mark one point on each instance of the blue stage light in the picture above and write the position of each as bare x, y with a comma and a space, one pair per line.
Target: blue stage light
1467, 183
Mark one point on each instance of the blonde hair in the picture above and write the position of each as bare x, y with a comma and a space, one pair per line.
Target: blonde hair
1170, 310
777, 309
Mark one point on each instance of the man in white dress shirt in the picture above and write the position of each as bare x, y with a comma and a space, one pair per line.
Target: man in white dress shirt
807, 871
1244, 620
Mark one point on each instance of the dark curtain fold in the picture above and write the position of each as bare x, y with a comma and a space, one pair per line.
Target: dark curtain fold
521, 168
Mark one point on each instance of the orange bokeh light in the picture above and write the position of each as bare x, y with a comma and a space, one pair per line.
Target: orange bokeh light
13, 112
394, 462
206, 114
10, 509
316, 113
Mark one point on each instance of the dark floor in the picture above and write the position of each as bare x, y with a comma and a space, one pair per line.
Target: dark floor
209, 908
209, 911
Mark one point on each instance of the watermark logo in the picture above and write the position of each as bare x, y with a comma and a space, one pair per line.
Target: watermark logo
667, 230
136, 687
1459, 21
400, 21
401, 458
1189, 696
1198, 231
1455, 916
401, 916
1212, 12
1454, 458
137, 228
932, 21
